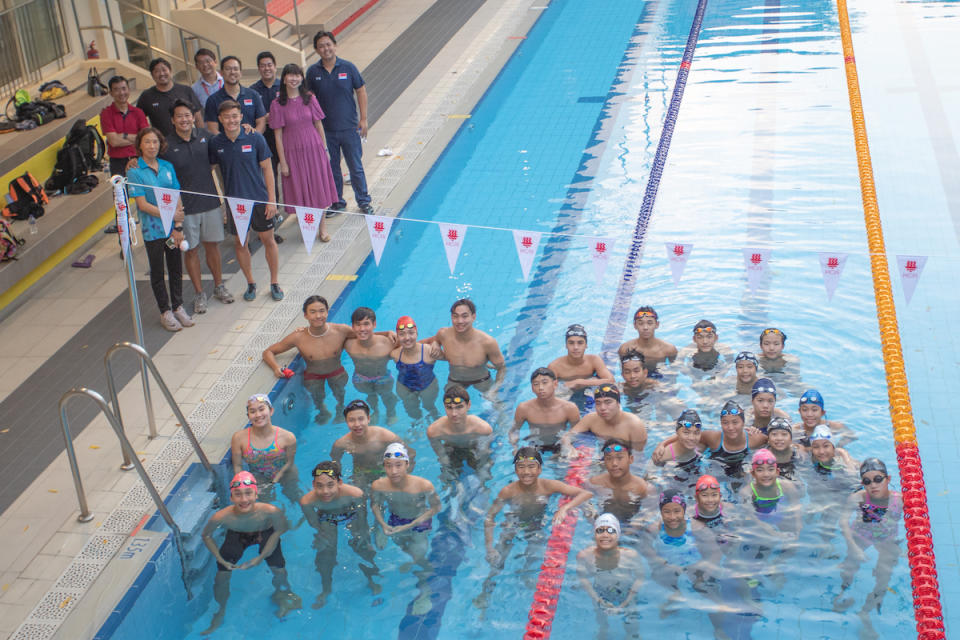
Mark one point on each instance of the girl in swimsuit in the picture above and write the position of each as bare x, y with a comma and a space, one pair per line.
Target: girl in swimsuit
780, 443
683, 454
876, 514
830, 478
812, 415
771, 496
763, 401
416, 382
266, 450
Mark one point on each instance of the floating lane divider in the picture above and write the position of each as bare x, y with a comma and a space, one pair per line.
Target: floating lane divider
550, 581
923, 566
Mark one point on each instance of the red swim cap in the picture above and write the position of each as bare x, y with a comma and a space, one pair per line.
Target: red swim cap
406, 322
707, 482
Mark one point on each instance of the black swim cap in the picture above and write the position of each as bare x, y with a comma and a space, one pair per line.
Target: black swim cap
543, 371
689, 417
575, 330
356, 405
527, 453
607, 391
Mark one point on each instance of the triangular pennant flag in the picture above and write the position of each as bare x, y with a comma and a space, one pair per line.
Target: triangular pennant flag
910, 268
757, 262
452, 236
831, 264
242, 210
379, 228
678, 254
526, 243
167, 203
600, 253
309, 220
123, 216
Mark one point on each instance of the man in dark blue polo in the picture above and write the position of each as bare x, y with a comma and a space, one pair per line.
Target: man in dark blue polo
251, 105
244, 162
267, 87
335, 82
187, 151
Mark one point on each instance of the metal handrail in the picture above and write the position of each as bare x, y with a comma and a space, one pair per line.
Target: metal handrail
261, 9
112, 388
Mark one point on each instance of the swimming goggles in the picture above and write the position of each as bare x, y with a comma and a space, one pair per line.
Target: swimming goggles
687, 424
406, 325
523, 458
776, 332
705, 331
632, 356
746, 356
731, 412
765, 390
246, 482
810, 400
607, 529
329, 472
608, 389
707, 484
395, 454
614, 447
457, 400
259, 397
644, 314
877, 480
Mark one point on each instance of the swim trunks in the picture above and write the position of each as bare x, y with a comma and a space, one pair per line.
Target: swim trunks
324, 376
396, 521
467, 383
359, 378
336, 518
236, 542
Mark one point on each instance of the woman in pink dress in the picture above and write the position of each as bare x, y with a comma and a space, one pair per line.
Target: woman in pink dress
304, 164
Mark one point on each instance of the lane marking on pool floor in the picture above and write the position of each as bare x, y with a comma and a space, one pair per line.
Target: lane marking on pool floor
916, 518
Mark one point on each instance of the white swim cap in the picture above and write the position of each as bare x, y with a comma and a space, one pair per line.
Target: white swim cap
396, 450
821, 432
607, 520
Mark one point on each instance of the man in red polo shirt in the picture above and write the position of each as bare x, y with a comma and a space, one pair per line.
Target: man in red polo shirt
120, 123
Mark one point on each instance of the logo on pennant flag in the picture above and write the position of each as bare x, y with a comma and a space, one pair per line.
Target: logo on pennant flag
526, 243
756, 258
911, 267
453, 236
677, 254
241, 210
166, 199
309, 220
379, 229
167, 203
756, 262
600, 257
831, 264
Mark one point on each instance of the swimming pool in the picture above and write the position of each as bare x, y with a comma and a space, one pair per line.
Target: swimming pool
763, 131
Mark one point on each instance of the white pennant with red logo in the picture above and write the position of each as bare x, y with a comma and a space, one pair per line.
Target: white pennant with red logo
526, 243
831, 264
757, 263
167, 203
241, 209
309, 220
910, 268
600, 249
123, 212
379, 229
452, 236
678, 254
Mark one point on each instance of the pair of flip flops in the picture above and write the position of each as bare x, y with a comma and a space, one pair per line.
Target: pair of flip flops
85, 263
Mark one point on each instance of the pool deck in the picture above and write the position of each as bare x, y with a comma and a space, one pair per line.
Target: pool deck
49, 560
57, 338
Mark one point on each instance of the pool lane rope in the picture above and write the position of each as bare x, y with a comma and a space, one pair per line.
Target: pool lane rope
550, 581
923, 567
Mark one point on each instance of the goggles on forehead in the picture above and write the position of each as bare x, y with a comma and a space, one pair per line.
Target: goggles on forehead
525, 458
395, 454
406, 325
608, 389
631, 357
328, 472
775, 332
731, 412
765, 390
644, 314
455, 400
704, 331
687, 424
707, 484
614, 447
245, 482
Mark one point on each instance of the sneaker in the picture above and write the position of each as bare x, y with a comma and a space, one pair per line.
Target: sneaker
169, 322
200, 303
220, 293
276, 292
111, 229
366, 208
335, 209
183, 317
278, 238
251, 293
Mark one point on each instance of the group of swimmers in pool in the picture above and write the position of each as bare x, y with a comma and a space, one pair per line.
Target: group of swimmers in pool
729, 500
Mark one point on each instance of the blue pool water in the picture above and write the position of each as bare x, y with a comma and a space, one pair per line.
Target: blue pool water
563, 141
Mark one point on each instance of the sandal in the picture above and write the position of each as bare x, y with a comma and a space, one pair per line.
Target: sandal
324, 237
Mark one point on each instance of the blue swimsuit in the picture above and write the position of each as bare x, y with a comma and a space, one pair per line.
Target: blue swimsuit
416, 376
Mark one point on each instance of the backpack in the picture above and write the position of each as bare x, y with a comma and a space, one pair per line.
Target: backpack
9, 243
53, 90
26, 197
40, 111
82, 152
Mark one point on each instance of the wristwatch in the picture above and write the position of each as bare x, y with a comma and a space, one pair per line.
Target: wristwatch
125, 136
178, 228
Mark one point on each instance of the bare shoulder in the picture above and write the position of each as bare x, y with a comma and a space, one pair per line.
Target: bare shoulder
285, 436
436, 428
380, 484
586, 555
383, 435
351, 491
479, 425
422, 485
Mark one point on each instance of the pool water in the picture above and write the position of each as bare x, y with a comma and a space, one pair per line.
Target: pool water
563, 141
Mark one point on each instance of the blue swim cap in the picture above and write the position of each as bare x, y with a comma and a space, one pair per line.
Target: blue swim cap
763, 385
747, 356
811, 396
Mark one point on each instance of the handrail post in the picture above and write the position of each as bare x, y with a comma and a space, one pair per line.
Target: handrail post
115, 401
296, 19
85, 515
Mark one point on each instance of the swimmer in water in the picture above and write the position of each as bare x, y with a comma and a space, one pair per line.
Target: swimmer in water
619, 491
709, 525
780, 442
326, 506
321, 345
527, 498
877, 512
782, 367
773, 498
813, 414
705, 357
469, 350
248, 523
610, 575
746, 365
763, 398
412, 502
267, 451
645, 395
578, 371
370, 353
546, 415
459, 438
416, 382
365, 443
654, 350
830, 478
684, 451
608, 421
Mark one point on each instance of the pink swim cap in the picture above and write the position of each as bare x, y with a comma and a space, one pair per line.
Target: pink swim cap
243, 479
763, 456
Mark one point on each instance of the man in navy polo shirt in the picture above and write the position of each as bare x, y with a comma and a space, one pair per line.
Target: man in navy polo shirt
335, 81
251, 105
244, 162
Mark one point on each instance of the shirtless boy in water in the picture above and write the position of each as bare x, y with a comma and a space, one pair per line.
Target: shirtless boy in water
619, 491
459, 438
578, 371
654, 350
468, 350
547, 415
365, 442
609, 421
370, 353
248, 523
611, 576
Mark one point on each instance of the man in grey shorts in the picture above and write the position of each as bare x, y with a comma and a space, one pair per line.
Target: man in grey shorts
203, 224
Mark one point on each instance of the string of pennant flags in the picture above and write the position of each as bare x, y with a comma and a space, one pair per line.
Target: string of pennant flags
756, 261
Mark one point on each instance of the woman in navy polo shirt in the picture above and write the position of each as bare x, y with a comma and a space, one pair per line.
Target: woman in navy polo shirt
151, 172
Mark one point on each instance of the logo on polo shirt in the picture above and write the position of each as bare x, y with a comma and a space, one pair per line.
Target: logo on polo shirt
342, 76
246, 148
248, 102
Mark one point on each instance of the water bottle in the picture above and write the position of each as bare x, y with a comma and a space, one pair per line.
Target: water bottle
34, 228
